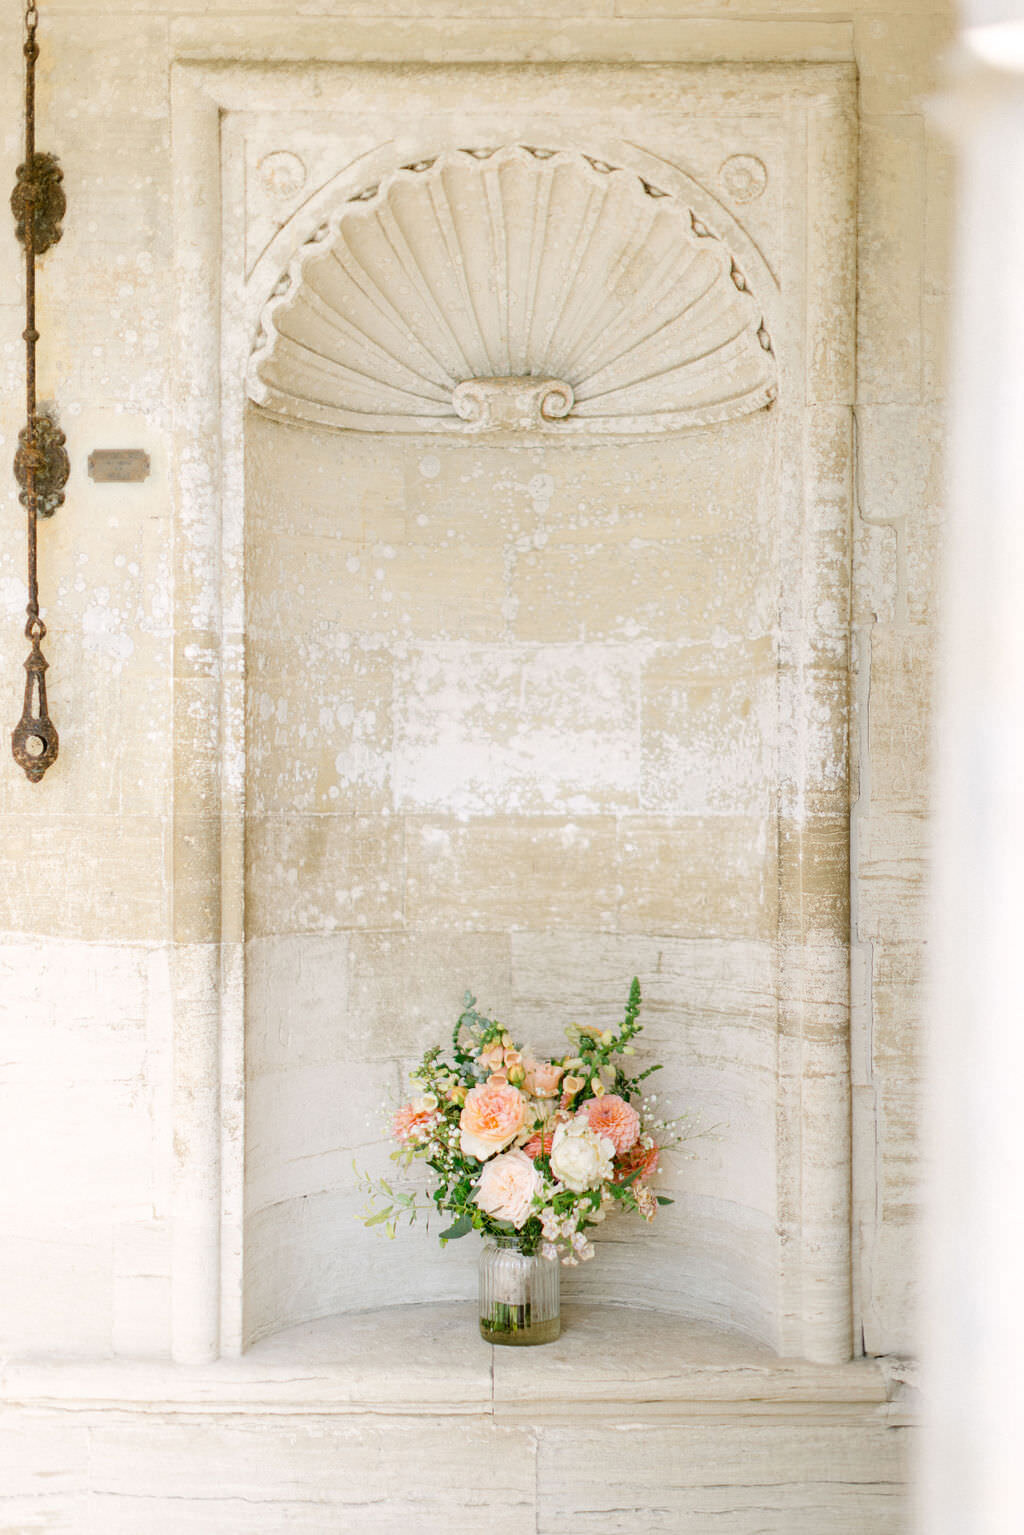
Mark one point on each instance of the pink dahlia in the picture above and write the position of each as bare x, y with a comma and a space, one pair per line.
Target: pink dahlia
614, 1118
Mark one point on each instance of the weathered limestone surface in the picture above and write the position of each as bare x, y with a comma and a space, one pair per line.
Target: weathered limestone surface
106, 868
339, 1424
213, 1474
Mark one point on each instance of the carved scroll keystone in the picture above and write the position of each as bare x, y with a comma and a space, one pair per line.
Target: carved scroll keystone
511, 404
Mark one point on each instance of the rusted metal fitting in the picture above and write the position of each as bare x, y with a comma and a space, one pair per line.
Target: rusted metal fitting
38, 188
41, 449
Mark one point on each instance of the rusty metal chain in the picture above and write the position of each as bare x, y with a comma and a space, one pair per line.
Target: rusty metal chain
40, 464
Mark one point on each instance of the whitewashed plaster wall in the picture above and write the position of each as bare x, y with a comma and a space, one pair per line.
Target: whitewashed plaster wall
87, 857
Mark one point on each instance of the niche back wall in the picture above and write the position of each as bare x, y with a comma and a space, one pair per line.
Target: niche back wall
510, 722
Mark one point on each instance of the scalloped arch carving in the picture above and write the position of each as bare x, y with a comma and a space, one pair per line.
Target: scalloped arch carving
512, 265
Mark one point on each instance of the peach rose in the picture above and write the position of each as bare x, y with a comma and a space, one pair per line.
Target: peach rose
541, 1077
613, 1117
507, 1186
490, 1118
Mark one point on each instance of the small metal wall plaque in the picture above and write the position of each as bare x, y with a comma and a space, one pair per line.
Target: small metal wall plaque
121, 466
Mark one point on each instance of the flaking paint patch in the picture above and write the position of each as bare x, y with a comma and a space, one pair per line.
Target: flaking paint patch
104, 633
516, 728
13, 595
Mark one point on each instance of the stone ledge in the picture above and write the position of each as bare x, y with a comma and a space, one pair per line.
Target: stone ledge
420, 1361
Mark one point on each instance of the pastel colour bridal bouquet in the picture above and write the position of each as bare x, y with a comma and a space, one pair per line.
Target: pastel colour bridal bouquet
532, 1153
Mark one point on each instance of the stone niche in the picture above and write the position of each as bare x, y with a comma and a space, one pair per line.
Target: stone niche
536, 481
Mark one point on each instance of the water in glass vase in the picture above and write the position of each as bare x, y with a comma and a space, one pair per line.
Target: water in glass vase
519, 1294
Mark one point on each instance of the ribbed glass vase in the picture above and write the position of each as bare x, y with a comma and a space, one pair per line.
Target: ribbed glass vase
519, 1294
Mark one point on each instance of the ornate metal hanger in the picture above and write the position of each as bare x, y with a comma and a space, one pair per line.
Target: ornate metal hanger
40, 465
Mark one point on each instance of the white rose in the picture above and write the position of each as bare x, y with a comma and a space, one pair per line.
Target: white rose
507, 1186
580, 1158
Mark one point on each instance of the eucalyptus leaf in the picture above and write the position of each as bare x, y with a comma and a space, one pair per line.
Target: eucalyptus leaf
461, 1228
380, 1217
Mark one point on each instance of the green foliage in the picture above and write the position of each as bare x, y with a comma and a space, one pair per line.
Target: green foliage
460, 1228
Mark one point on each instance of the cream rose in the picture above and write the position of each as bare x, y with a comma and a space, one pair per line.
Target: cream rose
580, 1158
507, 1186
492, 1115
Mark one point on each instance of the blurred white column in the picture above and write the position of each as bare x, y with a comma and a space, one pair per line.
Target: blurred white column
973, 1466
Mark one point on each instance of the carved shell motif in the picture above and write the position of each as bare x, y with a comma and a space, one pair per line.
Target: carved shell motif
515, 264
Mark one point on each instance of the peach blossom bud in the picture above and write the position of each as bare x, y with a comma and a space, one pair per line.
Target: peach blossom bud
492, 1056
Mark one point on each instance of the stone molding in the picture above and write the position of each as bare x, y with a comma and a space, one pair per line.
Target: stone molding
519, 262
611, 1363
221, 292
515, 404
395, 1419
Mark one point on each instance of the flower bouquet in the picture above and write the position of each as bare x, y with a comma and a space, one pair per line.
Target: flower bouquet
532, 1153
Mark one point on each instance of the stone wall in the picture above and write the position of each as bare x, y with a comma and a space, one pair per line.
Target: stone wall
554, 773
88, 856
